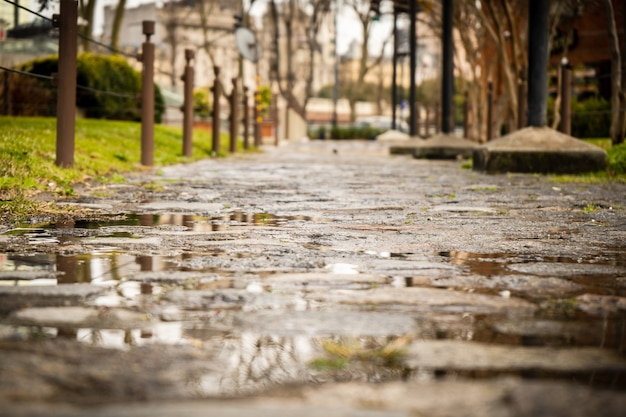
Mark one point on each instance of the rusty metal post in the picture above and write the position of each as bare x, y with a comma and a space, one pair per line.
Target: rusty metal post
489, 110
234, 118
275, 116
188, 79
217, 93
521, 100
566, 98
466, 114
417, 120
257, 115
246, 119
6, 91
147, 95
66, 21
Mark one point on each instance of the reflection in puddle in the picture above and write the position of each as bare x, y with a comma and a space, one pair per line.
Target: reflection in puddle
249, 362
343, 269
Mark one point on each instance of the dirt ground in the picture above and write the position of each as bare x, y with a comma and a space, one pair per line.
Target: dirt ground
319, 278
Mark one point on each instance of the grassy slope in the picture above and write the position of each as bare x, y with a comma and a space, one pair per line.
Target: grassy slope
103, 150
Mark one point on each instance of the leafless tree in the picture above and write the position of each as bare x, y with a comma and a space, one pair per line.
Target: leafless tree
117, 23
618, 93
362, 10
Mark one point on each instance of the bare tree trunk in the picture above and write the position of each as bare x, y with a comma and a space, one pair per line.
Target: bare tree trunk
361, 9
617, 134
117, 23
87, 10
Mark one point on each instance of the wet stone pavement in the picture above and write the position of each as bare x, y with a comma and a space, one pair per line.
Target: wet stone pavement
319, 279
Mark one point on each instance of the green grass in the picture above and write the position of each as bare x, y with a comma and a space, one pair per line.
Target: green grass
604, 143
104, 151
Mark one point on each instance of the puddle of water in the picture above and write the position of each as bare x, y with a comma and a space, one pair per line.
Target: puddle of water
189, 221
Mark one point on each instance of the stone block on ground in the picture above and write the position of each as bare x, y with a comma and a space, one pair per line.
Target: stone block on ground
444, 146
539, 150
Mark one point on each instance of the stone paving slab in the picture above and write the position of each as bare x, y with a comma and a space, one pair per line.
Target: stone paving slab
80, 317
16, 297
463, 355
505, 397
445, 146
433, 298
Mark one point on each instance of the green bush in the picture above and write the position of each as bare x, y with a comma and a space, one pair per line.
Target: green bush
201, 103
616, 159
354, 132
591, 118
96, 74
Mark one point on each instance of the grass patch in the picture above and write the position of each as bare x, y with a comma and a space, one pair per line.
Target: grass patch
615, 169
604, 143
104, 150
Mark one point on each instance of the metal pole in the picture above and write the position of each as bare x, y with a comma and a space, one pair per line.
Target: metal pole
466, 114
187, 78
412, 64
66, 98
521, 100
437, 118
336, 69
147, 96
234, 118
217, 93
275, 116
447, 88
257, 114
489, 110
246, 119
394, 81
566, 98
6, 91
427, 124
537, 62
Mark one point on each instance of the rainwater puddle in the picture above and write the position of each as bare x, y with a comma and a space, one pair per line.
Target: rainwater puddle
597, 274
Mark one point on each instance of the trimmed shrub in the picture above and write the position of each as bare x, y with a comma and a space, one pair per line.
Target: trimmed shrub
591, 117
96, 74
355, 132
616, 159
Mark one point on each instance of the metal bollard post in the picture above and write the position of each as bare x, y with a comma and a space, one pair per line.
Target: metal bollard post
437, 118
257, 115
521, 101
188, 79
217, 93
566, 97
417, 120
246, 119
147, 95
489, 110
66, 21
275, 113
427, 124
466, 114
234, 118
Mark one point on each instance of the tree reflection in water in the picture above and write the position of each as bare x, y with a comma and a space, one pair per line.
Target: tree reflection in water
253, 363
